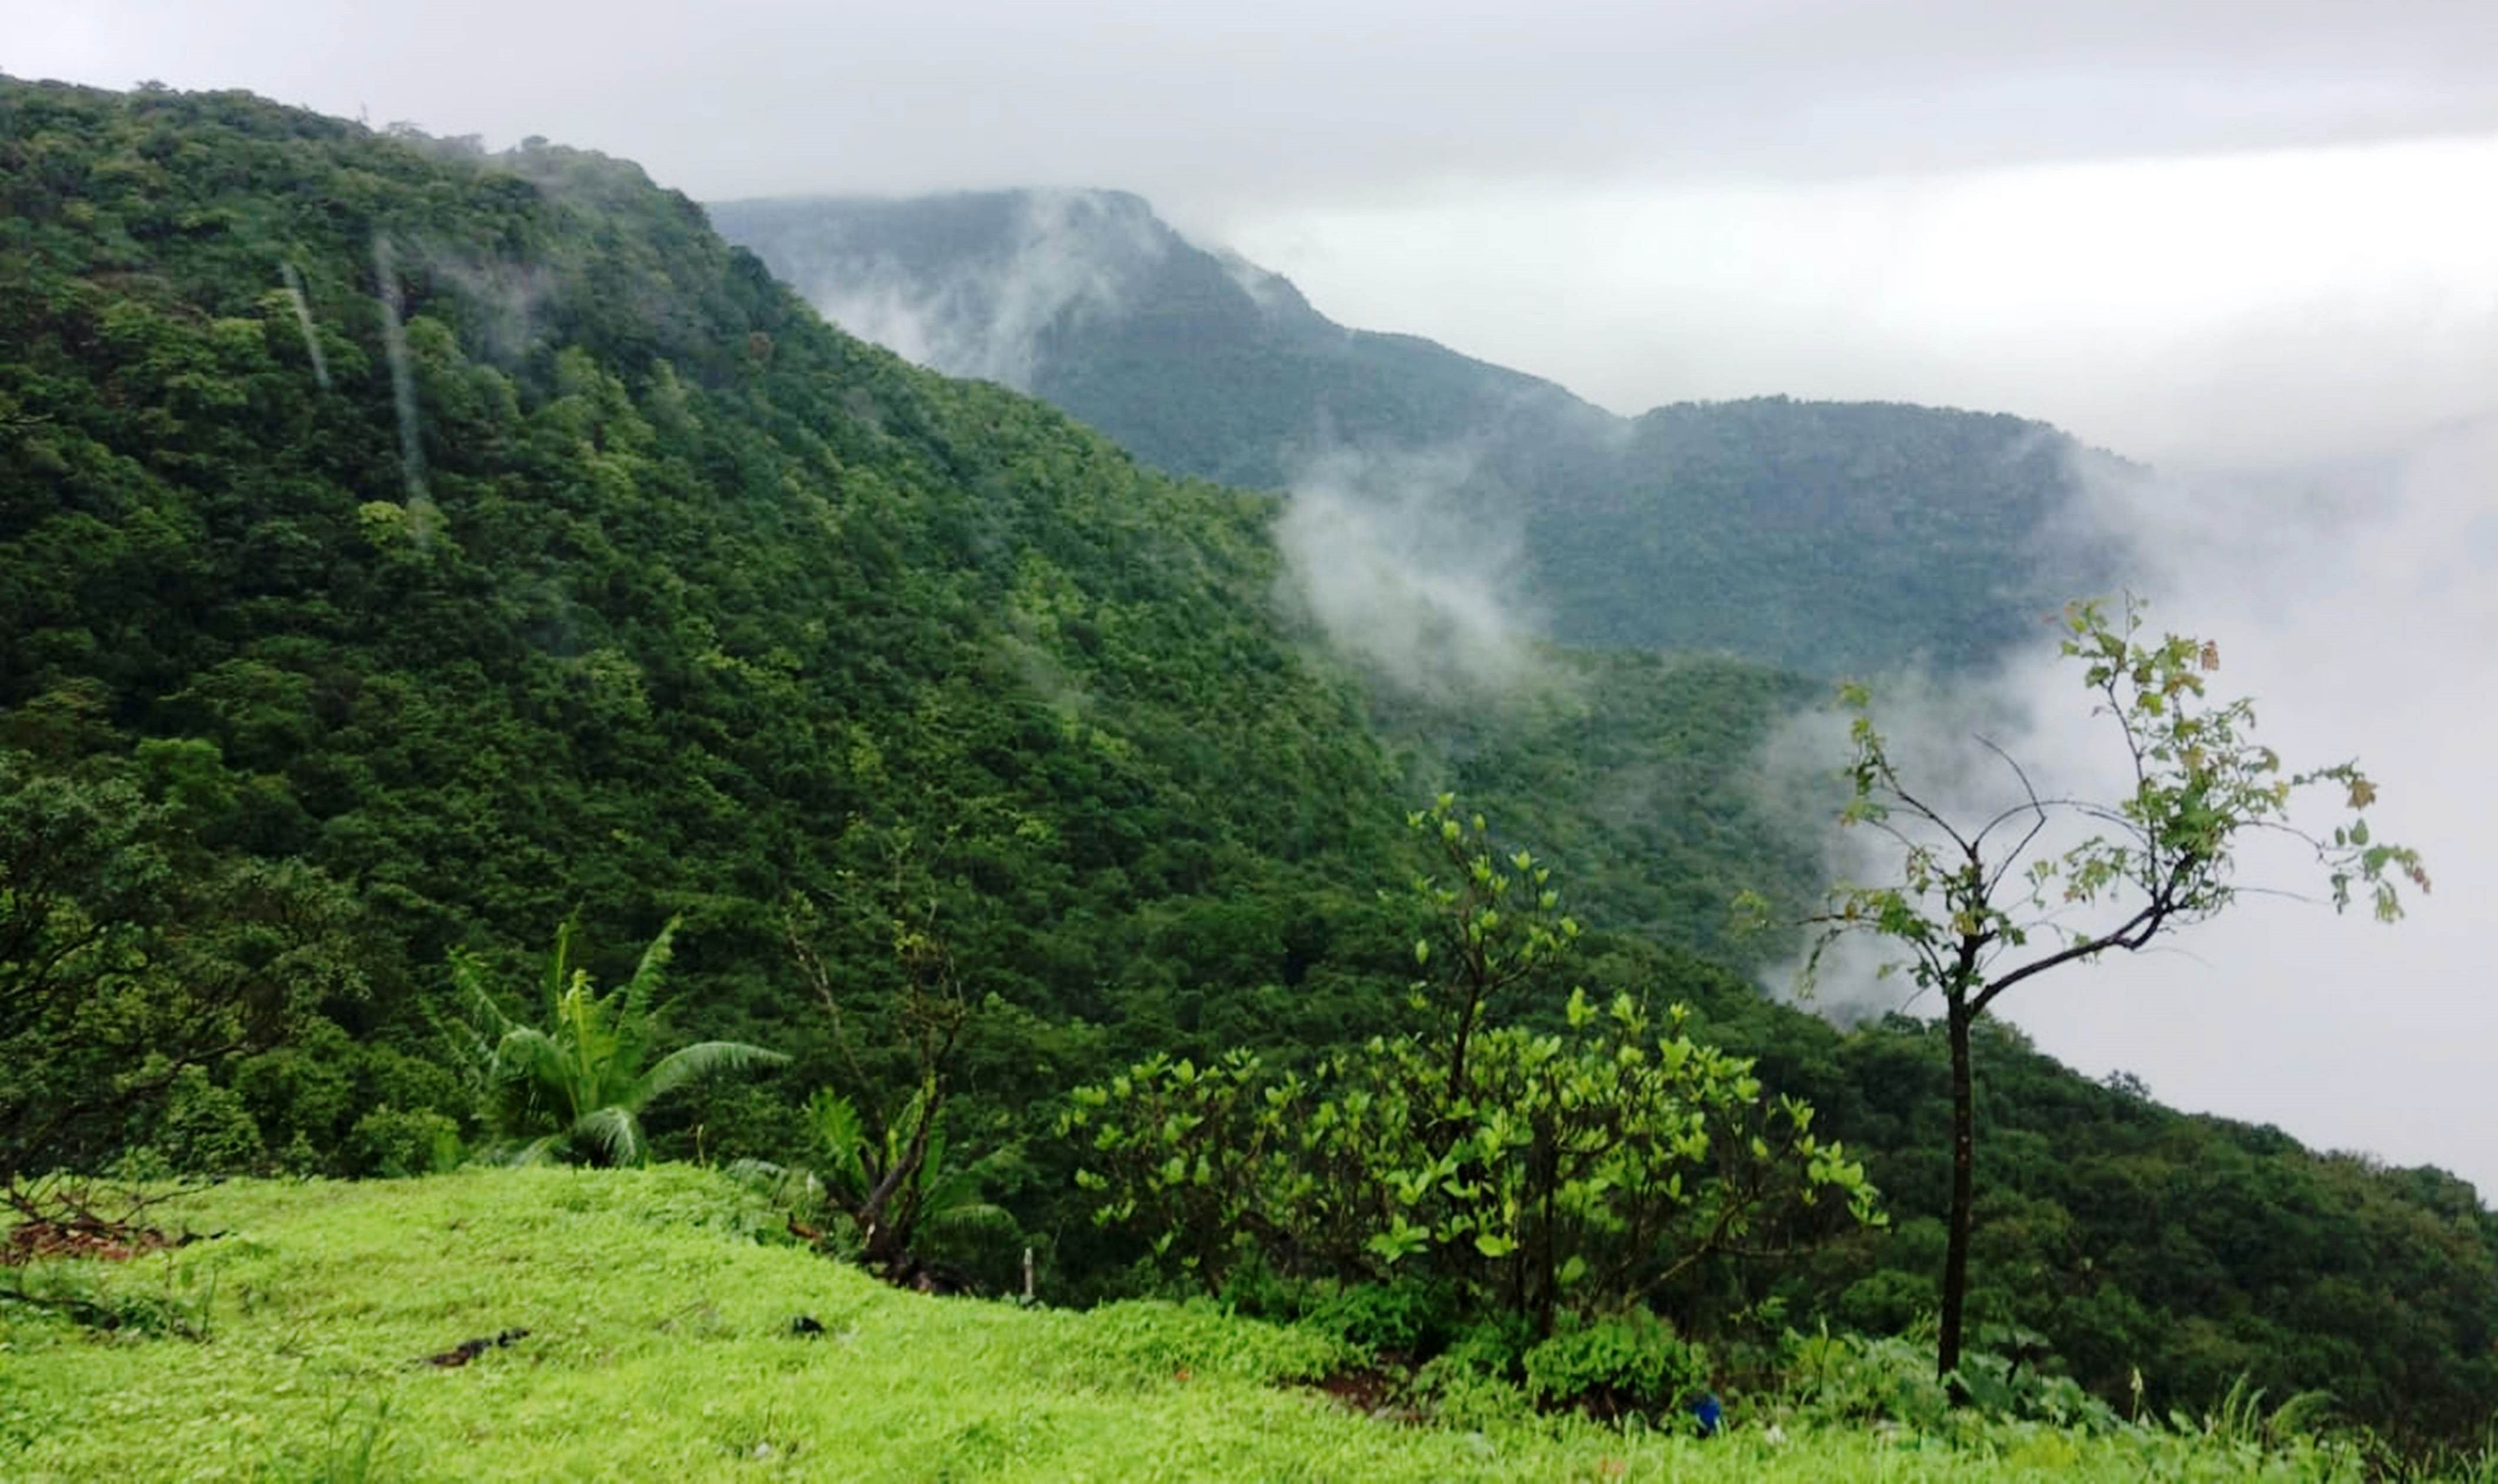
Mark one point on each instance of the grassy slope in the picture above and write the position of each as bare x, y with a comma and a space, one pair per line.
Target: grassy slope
659, 1347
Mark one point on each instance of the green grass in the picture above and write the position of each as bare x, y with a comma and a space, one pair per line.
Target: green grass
659, 1347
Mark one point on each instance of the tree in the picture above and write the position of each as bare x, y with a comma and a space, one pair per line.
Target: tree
1977, 909
888, 1173
577, 1087
131, 957
888, 1191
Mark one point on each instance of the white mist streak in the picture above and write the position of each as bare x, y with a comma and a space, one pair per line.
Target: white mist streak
2358, 605
422, 513
411, 454
303, 322
1073, 254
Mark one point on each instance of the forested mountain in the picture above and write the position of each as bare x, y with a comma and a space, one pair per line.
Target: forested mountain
403, 549
1827, 538
678, 602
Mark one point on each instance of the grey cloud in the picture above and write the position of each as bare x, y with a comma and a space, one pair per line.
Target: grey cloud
1300, 98
965, 292
1937, 733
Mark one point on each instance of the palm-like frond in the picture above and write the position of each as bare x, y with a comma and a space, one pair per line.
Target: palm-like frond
843, 1135
559, 967
527, 1053
978, 1215
582, 1081
614, 1131
702, 1059
949, 1200
644, 986
538, 1151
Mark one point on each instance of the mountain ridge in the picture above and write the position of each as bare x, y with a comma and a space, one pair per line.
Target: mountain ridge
1954, 529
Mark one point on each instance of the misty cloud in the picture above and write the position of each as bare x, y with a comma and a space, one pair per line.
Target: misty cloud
758, 97
1408, 579
1067, 255
504, 298
2358, 604
1938, 734
2251, 309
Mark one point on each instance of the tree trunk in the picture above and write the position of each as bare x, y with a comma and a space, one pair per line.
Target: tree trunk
887, 1215
1963, 1192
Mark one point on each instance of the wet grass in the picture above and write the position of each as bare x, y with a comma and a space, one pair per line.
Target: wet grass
659, 1345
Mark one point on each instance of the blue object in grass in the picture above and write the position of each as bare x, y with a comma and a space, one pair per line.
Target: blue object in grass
1708, 1413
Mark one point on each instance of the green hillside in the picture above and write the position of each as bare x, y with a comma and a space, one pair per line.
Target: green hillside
698, 602
1641, 775
402, 549
1827, 538
650, 1334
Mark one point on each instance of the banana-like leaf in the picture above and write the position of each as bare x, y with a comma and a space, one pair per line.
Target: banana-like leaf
842, 1133
701, 1060
614, 1132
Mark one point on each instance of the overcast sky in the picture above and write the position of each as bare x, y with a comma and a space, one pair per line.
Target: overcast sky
2203, 233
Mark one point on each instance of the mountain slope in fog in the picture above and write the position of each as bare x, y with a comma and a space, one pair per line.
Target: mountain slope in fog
1826, 537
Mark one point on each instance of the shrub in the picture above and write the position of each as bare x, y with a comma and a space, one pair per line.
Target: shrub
392, 1143
1587, 1171
1609, 1367
207, 1130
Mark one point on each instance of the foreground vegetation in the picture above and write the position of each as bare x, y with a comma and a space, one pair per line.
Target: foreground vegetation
659, 1343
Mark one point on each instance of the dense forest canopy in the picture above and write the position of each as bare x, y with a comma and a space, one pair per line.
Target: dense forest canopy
404, 550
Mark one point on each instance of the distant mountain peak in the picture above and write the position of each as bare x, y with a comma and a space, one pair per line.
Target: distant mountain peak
968, 284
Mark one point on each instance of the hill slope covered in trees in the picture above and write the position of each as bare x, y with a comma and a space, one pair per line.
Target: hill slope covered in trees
678, 601
403, 549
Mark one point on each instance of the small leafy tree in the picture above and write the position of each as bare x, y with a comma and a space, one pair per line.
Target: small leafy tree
888, 1172
1578, 1171
575, 1089
1978, 906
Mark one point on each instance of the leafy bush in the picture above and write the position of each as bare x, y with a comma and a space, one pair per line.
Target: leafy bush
1455, 1390
1631, 1362
576, 1089
206, 1130
1404, 1317
1581, 1171
391, 1143
1854, 1379
890, 1202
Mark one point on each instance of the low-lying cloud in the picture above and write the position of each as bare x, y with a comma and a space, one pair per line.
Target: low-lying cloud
1069, 255
1409, 579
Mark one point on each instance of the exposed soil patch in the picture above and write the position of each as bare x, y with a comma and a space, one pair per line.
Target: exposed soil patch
104, 1241
1368, 1390
61, 1218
